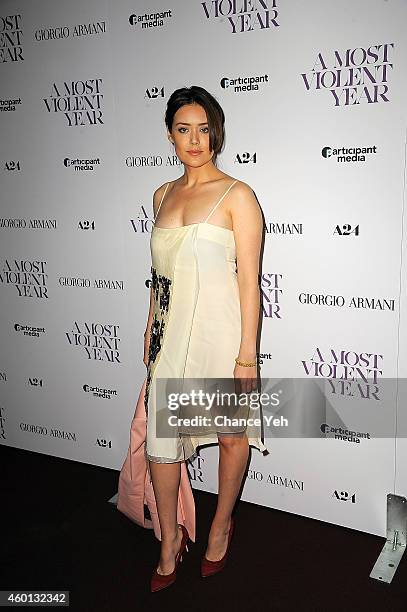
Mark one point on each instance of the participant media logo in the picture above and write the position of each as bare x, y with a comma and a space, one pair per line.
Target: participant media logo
29, 330
78, 165
150, 20
100, 392
346, 435
249, 83
348, 154
8, 105
264, 357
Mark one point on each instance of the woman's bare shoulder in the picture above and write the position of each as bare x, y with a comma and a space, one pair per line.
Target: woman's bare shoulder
242, 189
240, 193
160, 191
239, 188
158, 194
244, 207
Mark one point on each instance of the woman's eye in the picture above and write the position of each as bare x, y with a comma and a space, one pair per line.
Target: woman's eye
184, 129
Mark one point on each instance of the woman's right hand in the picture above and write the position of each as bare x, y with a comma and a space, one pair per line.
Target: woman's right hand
146, 346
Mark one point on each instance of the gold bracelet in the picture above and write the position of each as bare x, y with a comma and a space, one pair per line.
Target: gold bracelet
246, 364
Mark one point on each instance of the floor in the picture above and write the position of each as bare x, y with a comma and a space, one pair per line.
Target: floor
58, 531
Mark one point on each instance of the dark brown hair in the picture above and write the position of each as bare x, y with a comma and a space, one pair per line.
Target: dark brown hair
214, 113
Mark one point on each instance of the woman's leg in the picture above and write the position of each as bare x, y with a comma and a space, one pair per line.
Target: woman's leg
166, 480
233, 457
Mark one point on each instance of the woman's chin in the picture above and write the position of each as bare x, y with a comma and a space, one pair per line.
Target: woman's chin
196, 161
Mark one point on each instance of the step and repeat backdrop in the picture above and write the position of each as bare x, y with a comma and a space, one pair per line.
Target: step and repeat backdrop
315, 100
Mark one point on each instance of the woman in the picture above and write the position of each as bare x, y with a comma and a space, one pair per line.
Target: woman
203, 316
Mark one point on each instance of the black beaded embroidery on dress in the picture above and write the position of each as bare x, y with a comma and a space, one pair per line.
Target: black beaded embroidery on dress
157, 330
161, 288
159, 281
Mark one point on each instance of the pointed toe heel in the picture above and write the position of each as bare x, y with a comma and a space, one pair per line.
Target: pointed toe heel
208, 568
161, 581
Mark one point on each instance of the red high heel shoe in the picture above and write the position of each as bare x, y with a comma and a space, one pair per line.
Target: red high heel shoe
208, 568
161, 581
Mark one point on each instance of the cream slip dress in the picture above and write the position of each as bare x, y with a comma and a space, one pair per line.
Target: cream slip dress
196, 327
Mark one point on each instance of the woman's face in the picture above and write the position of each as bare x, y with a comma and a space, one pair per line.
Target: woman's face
190, 135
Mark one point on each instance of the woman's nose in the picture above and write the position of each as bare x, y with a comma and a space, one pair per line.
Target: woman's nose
194, 137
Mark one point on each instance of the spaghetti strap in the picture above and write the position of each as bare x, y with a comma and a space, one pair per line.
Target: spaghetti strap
220, 200
161, 201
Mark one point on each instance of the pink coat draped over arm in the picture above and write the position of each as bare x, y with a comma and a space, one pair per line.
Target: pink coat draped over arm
135, 490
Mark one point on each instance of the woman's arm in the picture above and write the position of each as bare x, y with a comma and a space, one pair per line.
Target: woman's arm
248, 232
150, 312
156, 199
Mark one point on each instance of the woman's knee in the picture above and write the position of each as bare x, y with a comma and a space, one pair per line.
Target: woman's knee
230, 441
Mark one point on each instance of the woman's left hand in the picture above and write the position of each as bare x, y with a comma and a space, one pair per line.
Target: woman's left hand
245, 377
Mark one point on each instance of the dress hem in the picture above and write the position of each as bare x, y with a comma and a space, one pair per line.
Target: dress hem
257, 444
